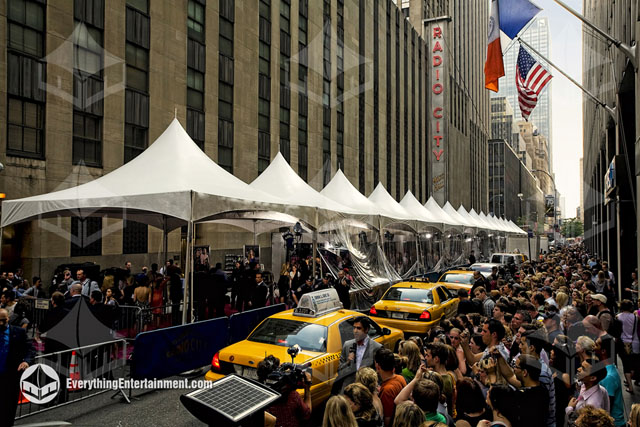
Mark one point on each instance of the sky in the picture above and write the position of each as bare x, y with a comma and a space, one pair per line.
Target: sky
566, 98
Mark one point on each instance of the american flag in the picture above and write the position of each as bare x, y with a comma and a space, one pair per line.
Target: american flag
531, 78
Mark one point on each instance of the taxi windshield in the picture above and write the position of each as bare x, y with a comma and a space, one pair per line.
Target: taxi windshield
409, 294
457, 278
285, 332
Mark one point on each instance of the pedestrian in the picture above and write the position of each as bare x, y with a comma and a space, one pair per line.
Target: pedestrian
361, 401
338, 413
630, 353
16, 354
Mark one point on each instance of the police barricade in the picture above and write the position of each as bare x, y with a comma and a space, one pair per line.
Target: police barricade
240, 324
171, 351
165, 316
64, 377
34, 309
126, 323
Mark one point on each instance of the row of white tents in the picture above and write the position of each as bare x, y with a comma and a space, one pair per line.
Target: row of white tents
174, 183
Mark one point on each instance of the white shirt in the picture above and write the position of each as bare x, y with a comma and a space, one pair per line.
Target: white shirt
360, 351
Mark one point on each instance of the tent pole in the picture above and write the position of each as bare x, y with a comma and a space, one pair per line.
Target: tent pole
314, 249
165, 242
1, 233
188, 294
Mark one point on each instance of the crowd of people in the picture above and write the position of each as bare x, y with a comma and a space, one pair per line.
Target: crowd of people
531, 345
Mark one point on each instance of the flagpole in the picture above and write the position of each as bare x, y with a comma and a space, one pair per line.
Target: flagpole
629, 51
611, 111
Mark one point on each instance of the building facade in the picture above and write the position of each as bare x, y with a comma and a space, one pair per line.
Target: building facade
502, 123
610, 145
514, 191
331, 84
538, 36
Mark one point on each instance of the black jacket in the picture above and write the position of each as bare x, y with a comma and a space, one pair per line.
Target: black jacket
20, 350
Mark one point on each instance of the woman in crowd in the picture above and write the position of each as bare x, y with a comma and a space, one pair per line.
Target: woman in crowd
408, 414
634, 416
369, 378
584, 348
630, 348
411, 351
284, 282
454, 337
338, 413
361, 401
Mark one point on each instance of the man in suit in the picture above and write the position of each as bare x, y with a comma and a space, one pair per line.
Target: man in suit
356, 353
16, 354
75, 293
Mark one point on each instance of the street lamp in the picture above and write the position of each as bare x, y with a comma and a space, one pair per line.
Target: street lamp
555, 199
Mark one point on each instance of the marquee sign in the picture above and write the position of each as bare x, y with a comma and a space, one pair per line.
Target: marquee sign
435, 31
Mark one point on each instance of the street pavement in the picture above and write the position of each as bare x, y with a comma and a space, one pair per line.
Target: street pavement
163, 408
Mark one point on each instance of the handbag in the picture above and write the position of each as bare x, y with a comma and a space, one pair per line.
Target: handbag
628, 346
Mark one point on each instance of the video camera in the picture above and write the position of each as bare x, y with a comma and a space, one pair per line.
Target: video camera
290, 375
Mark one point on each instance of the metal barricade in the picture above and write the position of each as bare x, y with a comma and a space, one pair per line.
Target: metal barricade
36, 311
152, 318
127, 323
101, 365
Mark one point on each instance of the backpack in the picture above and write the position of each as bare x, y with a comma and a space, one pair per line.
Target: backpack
615, 327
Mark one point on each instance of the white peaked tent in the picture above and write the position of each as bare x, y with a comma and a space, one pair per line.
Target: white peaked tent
491, 219
500, 223
515, 228
341, 191
159, 184
459, 219
435, 209
487, 219
382, 199
464, 214
281, 181
419, 212
483, 223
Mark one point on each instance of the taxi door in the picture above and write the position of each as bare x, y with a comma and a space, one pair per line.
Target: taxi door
447, 303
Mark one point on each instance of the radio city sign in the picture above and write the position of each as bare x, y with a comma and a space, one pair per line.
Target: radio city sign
437, 131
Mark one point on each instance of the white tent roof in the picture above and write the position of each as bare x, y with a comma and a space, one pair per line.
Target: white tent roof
340, 190
413, 206
435, 209
515, 228
382, 199
471, 220
481, 223
280, 180
489, 218
158, 182
462, 220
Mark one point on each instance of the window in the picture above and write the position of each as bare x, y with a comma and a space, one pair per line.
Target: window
25, 128
86, 236
326, 93
195, 20
361, 96
264, 85
135, 237
25, 78
87, 139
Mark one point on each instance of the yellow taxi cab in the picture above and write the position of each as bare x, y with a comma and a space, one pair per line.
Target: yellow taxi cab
319, 326
415, 307
457, 279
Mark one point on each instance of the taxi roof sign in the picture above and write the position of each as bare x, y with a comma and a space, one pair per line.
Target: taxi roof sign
318, 303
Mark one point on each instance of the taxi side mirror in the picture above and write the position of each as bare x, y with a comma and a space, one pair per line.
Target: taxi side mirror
386, 331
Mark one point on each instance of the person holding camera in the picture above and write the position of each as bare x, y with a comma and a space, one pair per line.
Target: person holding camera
290, 409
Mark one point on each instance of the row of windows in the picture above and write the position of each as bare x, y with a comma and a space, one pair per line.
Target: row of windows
326, 92
285, 77
87, 82
196, 60
264, 86
340, 86
225, 85
136, 106
86, 237
388, 71
303, 100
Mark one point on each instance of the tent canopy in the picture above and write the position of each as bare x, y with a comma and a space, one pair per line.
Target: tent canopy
157, 184
459, 219
435, 209
419, 212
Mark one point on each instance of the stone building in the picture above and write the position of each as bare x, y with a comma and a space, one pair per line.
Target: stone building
88, 84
